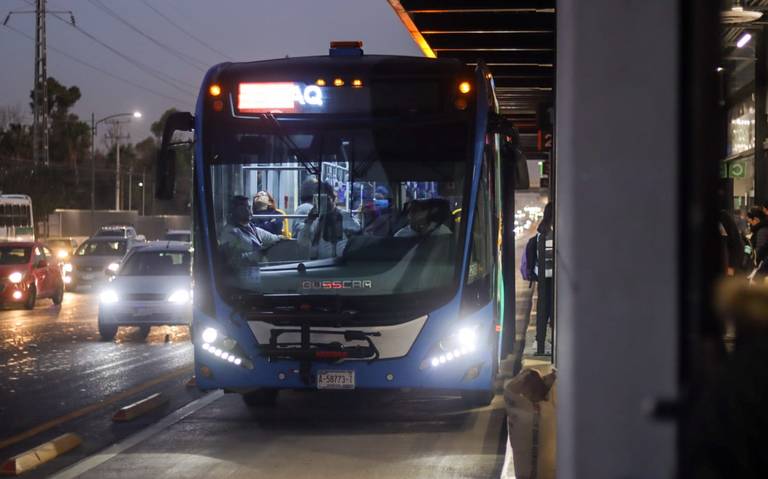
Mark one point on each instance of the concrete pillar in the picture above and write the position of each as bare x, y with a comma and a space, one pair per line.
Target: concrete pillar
617, 234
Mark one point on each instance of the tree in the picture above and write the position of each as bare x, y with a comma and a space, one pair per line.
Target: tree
69, 138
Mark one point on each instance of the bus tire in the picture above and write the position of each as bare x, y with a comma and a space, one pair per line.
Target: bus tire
31, 298
107, 331
477, 398
260, 397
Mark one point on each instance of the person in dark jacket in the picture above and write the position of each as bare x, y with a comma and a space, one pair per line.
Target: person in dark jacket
264, 204
758, 224
544, 270
735, 262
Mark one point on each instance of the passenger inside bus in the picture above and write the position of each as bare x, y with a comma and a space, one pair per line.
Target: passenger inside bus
239, 241
425, 218
306, 193
327, 227
264, 204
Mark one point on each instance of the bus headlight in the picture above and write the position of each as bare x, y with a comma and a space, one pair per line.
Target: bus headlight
67, 267
113, 267
461, 343
209, 335
180, 296
108, 297
15, 277
224, 348
62, 254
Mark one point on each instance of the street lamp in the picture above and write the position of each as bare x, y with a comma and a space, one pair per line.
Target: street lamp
94, 124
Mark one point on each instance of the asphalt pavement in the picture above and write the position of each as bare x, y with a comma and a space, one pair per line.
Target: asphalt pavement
57, 375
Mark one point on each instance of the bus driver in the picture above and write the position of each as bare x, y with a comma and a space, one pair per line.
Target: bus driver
241, 242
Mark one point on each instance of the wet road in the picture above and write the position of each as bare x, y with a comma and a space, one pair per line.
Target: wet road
54, 367
317, 435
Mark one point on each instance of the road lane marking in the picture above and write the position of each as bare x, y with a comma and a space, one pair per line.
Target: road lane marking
93, 407
39, 455
85, 465
136, 409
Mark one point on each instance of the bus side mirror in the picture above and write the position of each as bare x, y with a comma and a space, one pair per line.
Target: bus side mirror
511, 155
166, 157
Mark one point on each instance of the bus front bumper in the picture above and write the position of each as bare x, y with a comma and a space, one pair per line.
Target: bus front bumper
470, 372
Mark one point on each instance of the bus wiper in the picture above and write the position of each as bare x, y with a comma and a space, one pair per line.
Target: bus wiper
289, 143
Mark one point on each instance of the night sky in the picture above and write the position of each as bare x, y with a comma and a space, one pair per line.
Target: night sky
242, 30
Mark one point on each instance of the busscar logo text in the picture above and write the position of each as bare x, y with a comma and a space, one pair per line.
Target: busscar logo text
350, 284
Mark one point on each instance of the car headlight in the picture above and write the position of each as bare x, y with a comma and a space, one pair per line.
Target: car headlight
67, 267
180, 296
15, 277
461, 343
108, 297
62, 254
113, 267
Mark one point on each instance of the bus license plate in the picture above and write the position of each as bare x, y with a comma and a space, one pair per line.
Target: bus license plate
336, 380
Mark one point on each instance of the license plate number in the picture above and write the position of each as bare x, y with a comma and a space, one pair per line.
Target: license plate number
336, 380
88, 276
142, 311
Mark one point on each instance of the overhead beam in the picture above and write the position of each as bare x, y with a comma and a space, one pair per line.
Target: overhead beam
512, 41
462, 5
412, 29
484, 21
521, 58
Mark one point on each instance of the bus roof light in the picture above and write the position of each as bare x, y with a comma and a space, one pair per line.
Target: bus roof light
346, 49
338, 82
357, 83
320, 82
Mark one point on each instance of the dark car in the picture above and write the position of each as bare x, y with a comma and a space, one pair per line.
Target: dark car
62, 247
95, 257
28, 272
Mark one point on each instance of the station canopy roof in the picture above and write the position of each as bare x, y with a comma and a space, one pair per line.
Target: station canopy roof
515, 38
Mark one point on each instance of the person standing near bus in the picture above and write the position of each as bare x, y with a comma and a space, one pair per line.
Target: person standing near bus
545, 273
758, 224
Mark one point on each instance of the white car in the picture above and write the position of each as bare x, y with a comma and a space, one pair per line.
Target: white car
152, 287
178, 235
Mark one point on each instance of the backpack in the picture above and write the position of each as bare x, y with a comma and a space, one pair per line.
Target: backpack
528, 261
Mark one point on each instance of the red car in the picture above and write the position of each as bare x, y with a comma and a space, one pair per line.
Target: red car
29, 271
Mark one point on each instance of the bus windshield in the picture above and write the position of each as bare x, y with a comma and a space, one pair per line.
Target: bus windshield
365, 210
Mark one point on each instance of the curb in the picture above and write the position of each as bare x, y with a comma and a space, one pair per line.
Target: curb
41, 454
134, 410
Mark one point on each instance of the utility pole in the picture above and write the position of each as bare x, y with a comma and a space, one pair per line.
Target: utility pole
40, 152
40, 128
115, 135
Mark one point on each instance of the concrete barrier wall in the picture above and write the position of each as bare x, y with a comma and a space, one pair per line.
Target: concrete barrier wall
83, 223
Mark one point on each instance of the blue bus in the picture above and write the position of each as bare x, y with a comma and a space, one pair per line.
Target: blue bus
353, 221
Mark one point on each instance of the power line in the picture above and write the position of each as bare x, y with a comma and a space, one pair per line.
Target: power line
153, 72
102, 71
186, 32
177, 53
